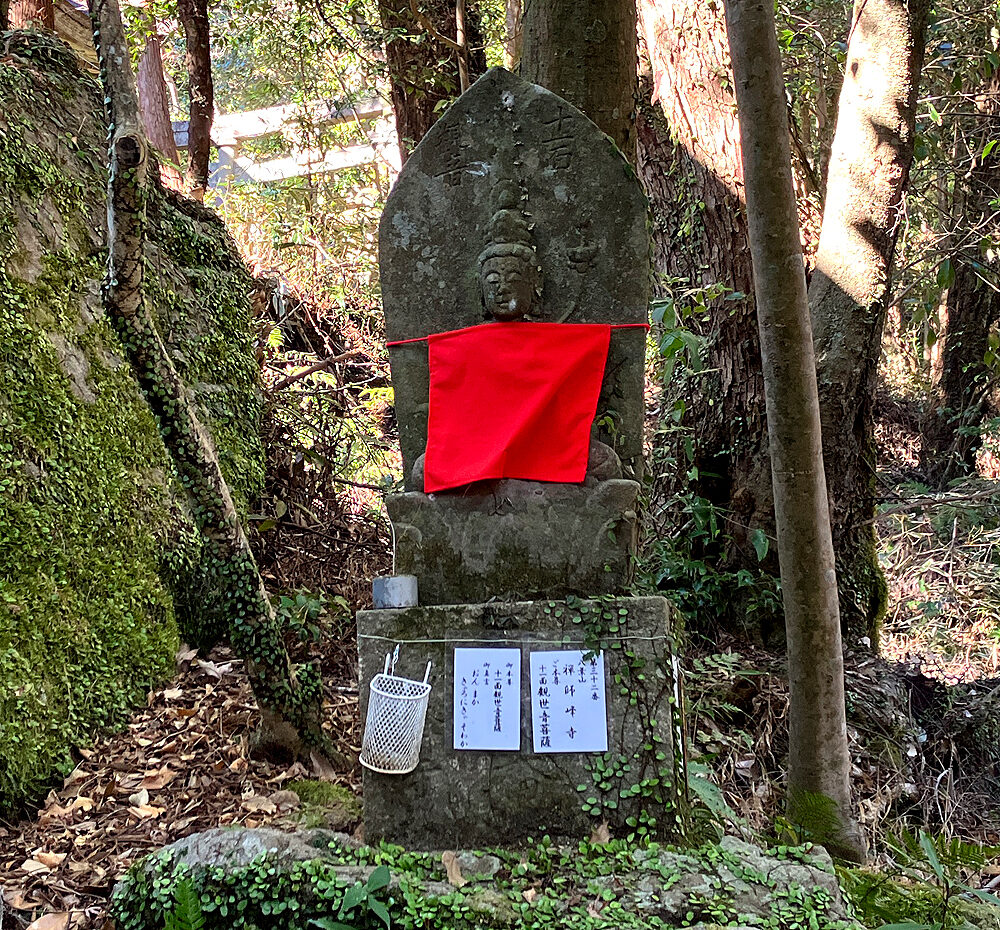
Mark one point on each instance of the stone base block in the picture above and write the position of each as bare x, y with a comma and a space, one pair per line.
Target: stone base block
467, 798
522, 540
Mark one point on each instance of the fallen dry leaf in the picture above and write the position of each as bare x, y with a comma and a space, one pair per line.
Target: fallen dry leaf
57, 921
140, 798
20, 901
172, 694
258, 803
322, 768
530, 895
600, 833
285, 800
143, 811
50, 860
154, 781
33, 867
455, 876
210, 668
594, 908
185, 654
53, 813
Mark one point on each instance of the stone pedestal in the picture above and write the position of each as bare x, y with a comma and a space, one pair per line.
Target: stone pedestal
527, 539
460, 798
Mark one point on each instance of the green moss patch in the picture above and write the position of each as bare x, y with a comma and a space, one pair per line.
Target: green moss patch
95, 538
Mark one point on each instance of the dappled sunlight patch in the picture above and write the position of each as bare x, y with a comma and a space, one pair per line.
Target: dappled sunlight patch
940, 552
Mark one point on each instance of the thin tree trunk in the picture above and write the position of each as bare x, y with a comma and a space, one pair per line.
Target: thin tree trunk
193, 15
513, 33
819, 790
290, 699
585, 51
4, 15
27, 13
154, 106
952, 435
850, 289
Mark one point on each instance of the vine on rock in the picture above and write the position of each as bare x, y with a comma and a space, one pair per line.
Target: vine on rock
289, 697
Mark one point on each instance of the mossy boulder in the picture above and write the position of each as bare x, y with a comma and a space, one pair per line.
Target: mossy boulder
258, 879
99, 558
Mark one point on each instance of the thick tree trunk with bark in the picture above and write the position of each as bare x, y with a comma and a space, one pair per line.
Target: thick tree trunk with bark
23, 14
952, 435
290, 698
193, 15
154, 106
585, 51
850, 288
424, 57
689, 162
819, 789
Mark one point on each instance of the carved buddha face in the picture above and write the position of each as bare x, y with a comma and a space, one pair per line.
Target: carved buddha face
508, 266
508, 278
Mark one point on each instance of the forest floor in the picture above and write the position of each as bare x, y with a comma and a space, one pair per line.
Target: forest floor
183, 764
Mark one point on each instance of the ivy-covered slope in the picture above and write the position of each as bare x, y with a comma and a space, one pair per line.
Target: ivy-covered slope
99, 559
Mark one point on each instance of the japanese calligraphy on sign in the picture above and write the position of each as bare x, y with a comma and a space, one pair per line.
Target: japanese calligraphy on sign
568, 702
487, 706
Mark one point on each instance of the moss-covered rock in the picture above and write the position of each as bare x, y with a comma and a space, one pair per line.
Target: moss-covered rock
99, 558
258, 879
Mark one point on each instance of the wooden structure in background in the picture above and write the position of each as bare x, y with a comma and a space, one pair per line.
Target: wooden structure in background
231, 131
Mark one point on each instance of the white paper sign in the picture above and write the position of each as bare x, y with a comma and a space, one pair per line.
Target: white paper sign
487, 699
568, 702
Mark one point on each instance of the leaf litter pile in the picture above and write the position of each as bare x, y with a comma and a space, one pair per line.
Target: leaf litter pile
182, 765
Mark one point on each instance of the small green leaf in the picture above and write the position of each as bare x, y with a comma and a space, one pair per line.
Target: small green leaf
760, 542
379, 878
380, 911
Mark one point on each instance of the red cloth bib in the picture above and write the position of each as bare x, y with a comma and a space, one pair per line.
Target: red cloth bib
513, 400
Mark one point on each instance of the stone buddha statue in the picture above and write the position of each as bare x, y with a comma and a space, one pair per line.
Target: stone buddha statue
510, 282
515, 209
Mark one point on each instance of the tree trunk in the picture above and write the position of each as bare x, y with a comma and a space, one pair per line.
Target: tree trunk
154, 106
423, 36
952, 434
513, 33
290, 699
819, 789
193, 15
27, 13
585, 51
850, 288
689, 162
5, 15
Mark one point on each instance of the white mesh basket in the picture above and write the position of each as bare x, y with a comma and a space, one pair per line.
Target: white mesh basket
395, 724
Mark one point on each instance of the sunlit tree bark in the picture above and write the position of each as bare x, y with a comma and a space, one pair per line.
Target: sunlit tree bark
23, 14
425, 60
850, 288
689, 162
154, 106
